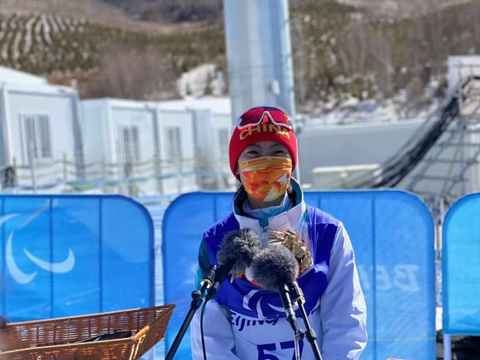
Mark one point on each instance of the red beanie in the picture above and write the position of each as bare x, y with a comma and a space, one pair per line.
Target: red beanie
265, 131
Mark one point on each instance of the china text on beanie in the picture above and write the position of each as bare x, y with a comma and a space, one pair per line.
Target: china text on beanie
265, 131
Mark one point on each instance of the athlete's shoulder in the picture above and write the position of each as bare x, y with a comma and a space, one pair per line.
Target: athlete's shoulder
317, 217
227, 224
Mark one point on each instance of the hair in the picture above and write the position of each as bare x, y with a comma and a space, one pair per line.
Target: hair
292, 194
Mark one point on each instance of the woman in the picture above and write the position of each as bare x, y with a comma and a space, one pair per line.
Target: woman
245, 322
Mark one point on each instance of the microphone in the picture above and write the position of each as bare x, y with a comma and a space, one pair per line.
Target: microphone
208, 279
236, 253
275, 269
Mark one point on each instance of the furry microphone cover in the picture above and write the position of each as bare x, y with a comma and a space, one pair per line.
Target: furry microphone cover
239, 246
274, 267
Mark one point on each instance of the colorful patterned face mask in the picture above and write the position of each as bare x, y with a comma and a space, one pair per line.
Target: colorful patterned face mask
266, 178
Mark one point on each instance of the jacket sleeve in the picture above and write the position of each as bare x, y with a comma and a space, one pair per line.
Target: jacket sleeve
218, 333
343, 309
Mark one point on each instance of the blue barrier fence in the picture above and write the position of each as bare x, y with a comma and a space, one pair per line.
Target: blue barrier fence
392, 234
461, 266
73, 255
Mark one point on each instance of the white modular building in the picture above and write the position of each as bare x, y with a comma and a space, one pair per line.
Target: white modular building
212, 137
212, 127
461, 67
177, 152
39, 125
141, 149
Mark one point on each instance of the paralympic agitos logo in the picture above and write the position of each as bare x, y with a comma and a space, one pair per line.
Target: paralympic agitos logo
254, 301
20, 276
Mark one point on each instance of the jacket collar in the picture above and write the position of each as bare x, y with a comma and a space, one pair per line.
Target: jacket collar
289, 220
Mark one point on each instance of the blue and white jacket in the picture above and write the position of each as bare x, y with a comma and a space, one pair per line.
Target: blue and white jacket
246, 322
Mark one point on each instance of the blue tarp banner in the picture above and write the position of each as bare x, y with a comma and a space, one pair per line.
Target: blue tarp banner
73, 255
393, 238
461, 266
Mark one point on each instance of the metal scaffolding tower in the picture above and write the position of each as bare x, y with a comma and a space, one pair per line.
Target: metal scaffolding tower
440, 162
452, 163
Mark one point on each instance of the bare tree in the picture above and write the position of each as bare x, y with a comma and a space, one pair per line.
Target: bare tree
353, 46
132, 73
381, 52
171, 10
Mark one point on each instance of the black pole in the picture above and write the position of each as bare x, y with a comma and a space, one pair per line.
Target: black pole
194, 306
197, 299
309, 333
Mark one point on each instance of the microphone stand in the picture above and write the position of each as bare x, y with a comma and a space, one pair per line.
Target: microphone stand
310, 334
197, 299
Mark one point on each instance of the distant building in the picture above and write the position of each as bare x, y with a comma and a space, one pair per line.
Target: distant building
39, 125
144, 148
212, 127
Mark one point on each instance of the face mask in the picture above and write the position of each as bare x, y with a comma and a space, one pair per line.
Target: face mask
266, 178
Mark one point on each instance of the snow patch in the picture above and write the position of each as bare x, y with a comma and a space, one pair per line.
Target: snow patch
203, 80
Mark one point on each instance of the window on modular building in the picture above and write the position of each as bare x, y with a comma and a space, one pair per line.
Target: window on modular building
30, 136
223, 139
174, 144
135, 143
36, 136
126, 144
131, 146
44, 130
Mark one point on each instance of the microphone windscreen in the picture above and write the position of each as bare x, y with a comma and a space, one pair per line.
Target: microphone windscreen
274, 267
239, 246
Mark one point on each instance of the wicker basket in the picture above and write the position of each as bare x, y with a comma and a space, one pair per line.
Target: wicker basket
55, 339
